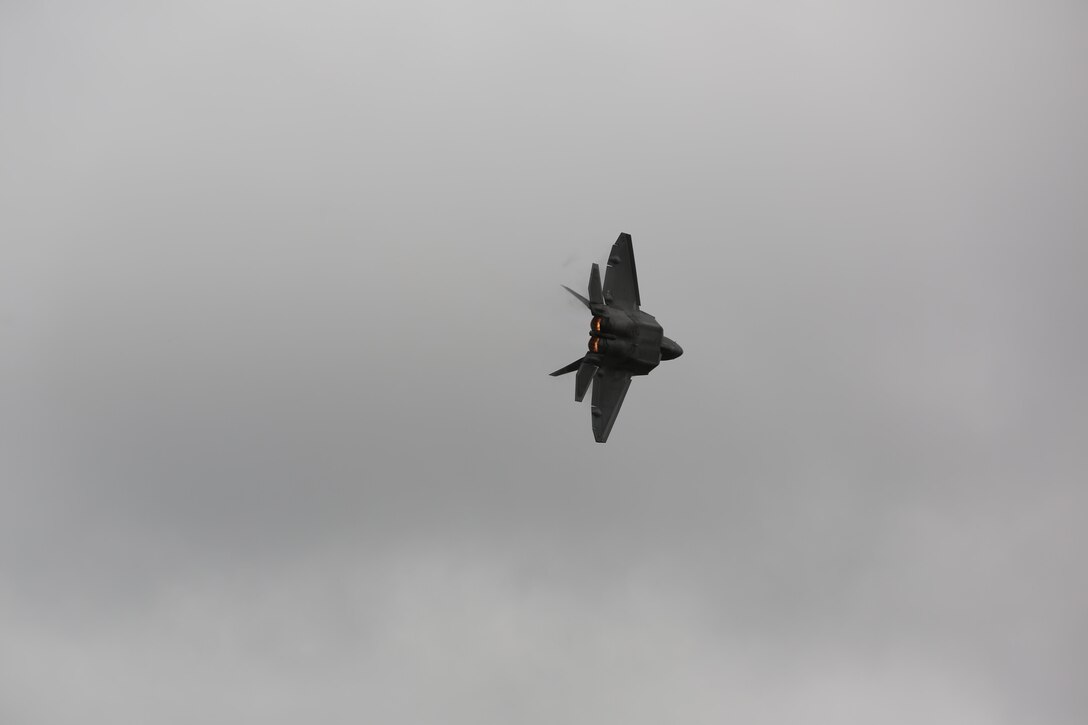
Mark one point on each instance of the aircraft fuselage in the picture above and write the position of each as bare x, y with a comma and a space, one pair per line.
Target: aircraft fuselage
626, 339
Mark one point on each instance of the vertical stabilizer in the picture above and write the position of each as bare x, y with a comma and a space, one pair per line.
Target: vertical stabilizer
583, 379
596, 296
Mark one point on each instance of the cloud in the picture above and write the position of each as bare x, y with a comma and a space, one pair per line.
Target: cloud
279, 291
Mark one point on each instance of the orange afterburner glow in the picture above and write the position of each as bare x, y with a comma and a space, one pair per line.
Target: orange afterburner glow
594, 344
596, 324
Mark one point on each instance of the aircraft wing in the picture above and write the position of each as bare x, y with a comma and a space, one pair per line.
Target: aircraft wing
621, 280
609, 389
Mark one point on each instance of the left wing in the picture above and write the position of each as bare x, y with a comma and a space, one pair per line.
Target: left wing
621, 280
609, 389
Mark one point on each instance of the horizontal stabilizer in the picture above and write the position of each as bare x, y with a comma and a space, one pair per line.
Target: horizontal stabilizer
580, 297
567, 369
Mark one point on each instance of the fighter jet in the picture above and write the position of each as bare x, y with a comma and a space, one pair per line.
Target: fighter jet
624, 341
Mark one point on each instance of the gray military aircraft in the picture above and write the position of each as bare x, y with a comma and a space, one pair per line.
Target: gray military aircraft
624, 341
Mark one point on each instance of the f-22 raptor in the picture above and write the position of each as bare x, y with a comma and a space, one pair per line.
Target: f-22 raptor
624, 341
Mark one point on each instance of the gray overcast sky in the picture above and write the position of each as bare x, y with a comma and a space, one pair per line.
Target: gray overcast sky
279, 293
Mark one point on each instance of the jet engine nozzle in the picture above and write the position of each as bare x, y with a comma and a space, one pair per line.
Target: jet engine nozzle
604, 346
615, 324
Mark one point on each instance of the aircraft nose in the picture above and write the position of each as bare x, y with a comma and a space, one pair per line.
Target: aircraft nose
670, 350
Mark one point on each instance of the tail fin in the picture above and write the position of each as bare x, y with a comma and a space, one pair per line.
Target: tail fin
584, 378
596, 296
586, 367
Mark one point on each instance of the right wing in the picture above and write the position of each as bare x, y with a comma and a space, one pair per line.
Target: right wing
621, 280
609, 389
